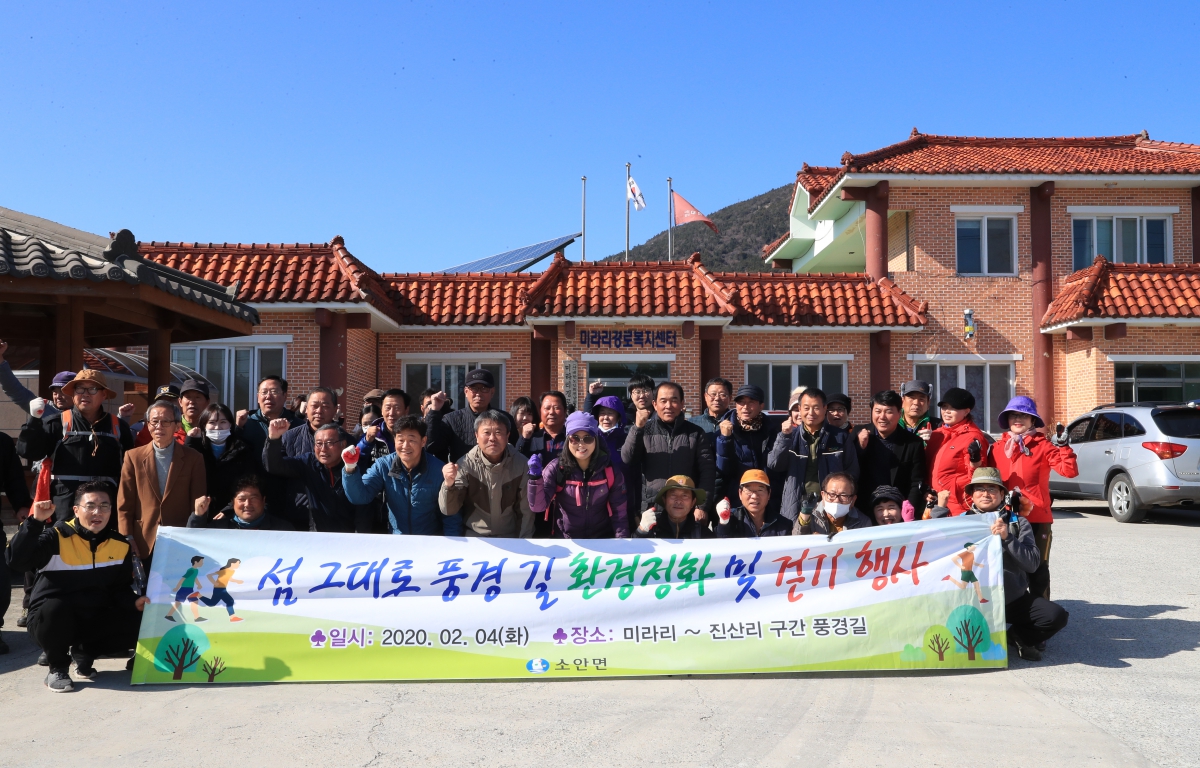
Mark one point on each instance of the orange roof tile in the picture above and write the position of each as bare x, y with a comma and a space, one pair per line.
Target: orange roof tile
469, 298
1107, 291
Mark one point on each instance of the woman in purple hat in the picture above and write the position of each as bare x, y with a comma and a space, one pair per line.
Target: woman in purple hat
1025, 457
580, 493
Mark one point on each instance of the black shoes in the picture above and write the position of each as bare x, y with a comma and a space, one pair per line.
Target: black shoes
23, 619
58, 681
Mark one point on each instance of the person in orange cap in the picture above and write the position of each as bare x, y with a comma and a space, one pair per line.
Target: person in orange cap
84, 443
754, 516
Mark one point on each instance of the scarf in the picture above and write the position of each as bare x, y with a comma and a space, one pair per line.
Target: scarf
1015, 444
753, 425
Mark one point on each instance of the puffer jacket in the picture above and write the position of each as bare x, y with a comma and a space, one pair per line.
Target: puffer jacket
492, 498
327, 509
411, 496
1032, 473
789, 454
83, 568
581, 505
948, 462
745, 450
614, 440
663, 450
741, 525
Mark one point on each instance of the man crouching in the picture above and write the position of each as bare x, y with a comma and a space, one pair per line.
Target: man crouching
83, 598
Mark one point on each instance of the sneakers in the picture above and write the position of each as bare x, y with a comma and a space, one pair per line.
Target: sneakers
1028, 652
168, 617
129, 665
43, 660
235, 618
85, 668
23, 619
200, 619
58, 681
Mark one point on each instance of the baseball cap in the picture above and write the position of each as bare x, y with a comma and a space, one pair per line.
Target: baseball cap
754, 476
480, 376
751, 391
192, 385
916, 387
61, 378
957, 398
169, 391
374, 394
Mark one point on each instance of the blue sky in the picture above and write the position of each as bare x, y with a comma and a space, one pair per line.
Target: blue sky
428, 135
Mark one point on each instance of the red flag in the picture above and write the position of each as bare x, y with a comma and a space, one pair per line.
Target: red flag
686, 212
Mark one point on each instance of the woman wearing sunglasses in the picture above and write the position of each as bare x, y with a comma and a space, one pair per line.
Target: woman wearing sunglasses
580, 493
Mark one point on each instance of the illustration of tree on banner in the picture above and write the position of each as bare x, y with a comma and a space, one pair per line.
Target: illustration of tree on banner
213, 667
970, 630
180, 649
938, 640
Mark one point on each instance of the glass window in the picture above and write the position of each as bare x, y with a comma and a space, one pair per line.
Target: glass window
416, 379
832, 380
1124, 240
1104, 239
985, 246
234, 372
991, 384
999, 246
1082, 247
1124, 392
1159, 370
1152, 381
1108, 427
450, 378
1127, 241
1156, 241
781, 386
212, 367
779, 379
1132, 428
1123, 370
270, 363
970, 251
185, 357
760, 376
1078, 431
926, 373
241, 379
1000, 387
808, 376
616, 375
1180, 422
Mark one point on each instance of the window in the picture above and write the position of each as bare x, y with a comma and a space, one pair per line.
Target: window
449, 378
990, 383
1078, 431
1121, 239
234, 370
986, 245
1150, 381
616, 375
1108, 427
779, 379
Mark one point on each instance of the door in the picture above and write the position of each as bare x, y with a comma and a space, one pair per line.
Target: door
1101, 453
1078, 434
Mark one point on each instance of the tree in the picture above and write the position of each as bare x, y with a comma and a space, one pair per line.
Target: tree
213, 667
937, 639
970, 630
180, 650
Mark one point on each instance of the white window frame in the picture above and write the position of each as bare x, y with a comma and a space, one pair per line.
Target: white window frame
792, 361
471, 361
983, 218
1112, 214
230, 347
982, 416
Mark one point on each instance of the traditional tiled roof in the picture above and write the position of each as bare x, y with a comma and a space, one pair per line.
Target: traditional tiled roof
34, 247
929, 154
1116, 292
653, 289
279, 272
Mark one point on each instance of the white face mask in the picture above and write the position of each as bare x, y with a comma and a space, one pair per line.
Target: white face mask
218, 436
837, 511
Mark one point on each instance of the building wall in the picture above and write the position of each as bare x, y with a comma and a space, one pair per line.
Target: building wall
466, 340
302, 359
362, 363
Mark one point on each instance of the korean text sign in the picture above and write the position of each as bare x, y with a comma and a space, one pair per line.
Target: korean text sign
308, 606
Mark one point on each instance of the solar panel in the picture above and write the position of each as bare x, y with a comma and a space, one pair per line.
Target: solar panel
517, 260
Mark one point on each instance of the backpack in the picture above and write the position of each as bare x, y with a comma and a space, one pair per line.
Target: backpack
609, 477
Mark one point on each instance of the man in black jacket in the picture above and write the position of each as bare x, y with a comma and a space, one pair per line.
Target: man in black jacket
745, 436
320, 474
889, 455
666, 444
452, 435
83, 600
247, 511
12, 482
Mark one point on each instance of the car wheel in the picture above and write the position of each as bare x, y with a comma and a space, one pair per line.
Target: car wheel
1123, 502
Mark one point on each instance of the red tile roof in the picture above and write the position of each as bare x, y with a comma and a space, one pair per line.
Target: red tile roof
279, 272
652, 289
1107, 291
929, 154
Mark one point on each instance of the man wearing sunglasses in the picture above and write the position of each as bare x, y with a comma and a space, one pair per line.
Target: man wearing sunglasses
84, 443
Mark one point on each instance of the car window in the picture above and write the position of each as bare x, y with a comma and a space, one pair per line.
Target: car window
1077, 432
1181, 422
1132, 428
1108, 427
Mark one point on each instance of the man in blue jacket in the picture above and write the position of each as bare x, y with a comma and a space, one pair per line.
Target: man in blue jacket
410, 479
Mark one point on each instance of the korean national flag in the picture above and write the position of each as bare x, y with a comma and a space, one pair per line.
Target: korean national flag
635, 194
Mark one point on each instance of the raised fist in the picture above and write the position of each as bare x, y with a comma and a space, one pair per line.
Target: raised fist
201, 506
943, 498
242, 417
864, 437
726, 427
371, 432
195, 432
37, 406
535, 465
649, 520
450, 473
595, 388
43, 510
788, 426
925, 433
277, 428
641, 418
723, 510
527, 430
437, 400
125, 411
350, 457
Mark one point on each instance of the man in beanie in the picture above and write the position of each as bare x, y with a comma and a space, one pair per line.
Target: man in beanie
1034, 618
837, 411
955, 450
753, 517
745, 436
1024, 457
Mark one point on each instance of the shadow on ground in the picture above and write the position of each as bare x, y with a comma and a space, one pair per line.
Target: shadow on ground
1105, 635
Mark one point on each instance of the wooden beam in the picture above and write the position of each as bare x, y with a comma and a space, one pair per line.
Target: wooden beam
689, 329
159, 362
360, 320
134, 313
1116, 331
1080, 333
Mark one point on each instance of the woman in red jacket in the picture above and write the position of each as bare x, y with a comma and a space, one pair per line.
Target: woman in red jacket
948, 452
1025, 457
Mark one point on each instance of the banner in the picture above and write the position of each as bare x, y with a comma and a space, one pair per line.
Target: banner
249, 606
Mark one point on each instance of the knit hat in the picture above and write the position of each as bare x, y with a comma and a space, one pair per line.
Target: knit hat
684, 482
844, 400
958, 399
796, 395
886, 493
1020, 404
582, 422
985, 476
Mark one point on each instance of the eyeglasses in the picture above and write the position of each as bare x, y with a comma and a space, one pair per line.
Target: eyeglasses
86, 390
755, 491
326, 443
92, 506
160, 422
840, 498
582, 438
269, 392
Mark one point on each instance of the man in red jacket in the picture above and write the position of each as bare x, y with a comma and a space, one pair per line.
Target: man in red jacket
950, 450
1025, 457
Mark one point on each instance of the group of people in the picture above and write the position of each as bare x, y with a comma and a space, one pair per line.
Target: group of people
620, 467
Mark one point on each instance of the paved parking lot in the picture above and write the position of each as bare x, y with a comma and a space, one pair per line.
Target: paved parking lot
1119, 686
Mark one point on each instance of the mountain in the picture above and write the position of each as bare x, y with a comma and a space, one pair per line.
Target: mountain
745, 228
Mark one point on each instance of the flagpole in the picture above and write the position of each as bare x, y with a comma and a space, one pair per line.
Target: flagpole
583, 229
670, 223
627, 167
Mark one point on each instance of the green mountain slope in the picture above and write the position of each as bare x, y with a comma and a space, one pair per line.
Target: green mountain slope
745, 228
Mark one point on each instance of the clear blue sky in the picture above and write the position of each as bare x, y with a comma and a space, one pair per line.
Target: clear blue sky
432, 134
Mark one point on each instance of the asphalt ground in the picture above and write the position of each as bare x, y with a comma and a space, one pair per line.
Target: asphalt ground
1119, 686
